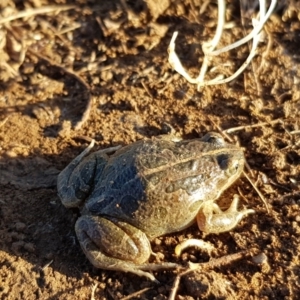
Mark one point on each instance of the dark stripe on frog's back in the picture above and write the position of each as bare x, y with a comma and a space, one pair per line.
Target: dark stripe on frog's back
162, 155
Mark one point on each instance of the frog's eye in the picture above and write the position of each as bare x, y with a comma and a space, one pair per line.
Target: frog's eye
228, 164
214, 138
223, 161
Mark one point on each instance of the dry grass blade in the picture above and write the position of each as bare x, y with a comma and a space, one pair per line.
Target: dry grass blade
3, 122
209, 47
252, 126
36, 11
213, 263
255, 32
137, 293
258, 192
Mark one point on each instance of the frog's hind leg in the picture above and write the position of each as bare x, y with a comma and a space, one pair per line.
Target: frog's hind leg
113, 245
76, 180
211, 219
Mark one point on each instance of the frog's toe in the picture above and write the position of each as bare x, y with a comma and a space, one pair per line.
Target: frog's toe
211, 219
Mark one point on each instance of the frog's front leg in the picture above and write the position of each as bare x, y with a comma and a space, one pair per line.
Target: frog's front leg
112, 244
74, 183
211, 219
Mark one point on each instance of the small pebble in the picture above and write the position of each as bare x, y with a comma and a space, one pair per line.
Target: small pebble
261, 258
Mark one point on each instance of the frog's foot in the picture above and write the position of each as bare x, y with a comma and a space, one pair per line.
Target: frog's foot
211, 219
115, 245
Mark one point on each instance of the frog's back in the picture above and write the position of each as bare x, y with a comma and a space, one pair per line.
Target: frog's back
124, 182
157, 185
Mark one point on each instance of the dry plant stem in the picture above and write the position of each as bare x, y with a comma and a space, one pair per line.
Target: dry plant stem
213, 263
68, 29
36, 11
137, 293
252, 126
258, 192
175, 287
210, 46
209, 51
295, 132
88, 107
239, 71
256, 38
207, 48
3, 122
253, 33
255, 72
93, 288
146, 89
205, 246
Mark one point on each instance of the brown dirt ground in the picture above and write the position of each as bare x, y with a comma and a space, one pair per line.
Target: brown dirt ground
120, 52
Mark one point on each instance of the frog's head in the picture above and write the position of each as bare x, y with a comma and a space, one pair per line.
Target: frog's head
231, 164
216, 168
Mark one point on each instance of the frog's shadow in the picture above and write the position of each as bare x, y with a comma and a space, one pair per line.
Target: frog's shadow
34, 224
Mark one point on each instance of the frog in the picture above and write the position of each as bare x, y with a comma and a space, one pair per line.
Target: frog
130, 195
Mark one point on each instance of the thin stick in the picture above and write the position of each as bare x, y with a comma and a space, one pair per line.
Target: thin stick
36, 11
137, 293
258, 192
3, 122
146, 89
295, 132
252, 126
175, 287
213, 263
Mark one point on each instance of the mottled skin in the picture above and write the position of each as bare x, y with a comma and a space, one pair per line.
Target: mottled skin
147, 189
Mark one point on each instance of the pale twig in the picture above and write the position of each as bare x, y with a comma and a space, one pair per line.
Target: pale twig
93, 288
253, 33
213, 263
208, 247
3, 122
175, 287
251, 55
146, 89
68, 29
36, 11
238, 128
267, 51
137, 293
210, 46
47, 264
295, 132
209, 51
175, 62
258, 192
